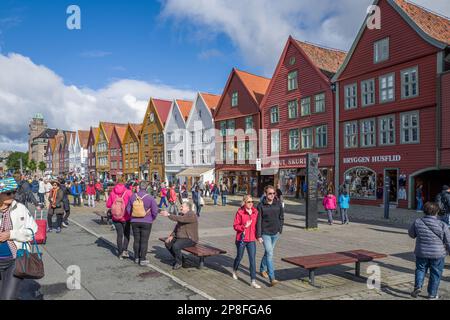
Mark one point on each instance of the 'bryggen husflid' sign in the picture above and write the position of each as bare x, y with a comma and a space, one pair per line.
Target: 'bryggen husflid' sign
373, 159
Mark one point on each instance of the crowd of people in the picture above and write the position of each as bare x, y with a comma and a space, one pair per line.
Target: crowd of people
133, 208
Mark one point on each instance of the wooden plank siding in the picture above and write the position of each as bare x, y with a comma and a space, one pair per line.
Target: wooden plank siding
445, 120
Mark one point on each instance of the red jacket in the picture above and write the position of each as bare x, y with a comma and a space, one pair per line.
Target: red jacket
119, 191
241, 219
90, 190
98, 186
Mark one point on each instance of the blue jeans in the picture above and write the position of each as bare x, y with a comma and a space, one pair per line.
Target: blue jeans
330, 216
198, 208
267, 260
419, 204
251, 250
224, 200
215, 200
163, 201
436, 267
344, 215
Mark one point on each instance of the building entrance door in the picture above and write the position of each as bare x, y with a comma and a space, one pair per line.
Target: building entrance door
393, 192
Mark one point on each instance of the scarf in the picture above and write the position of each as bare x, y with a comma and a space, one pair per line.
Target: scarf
54, 194
7, 226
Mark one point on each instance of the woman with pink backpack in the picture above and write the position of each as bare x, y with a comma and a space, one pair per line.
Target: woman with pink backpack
330, 204
117, 201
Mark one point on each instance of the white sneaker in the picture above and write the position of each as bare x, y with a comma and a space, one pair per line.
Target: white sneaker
235, 277
255, 285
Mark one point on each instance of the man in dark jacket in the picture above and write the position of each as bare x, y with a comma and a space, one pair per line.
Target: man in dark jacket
443, 200
24, 194
65, 188
268, 230
432, 246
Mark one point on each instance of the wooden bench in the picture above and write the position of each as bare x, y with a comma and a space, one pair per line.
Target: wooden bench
202, 251
311, 263
103, 216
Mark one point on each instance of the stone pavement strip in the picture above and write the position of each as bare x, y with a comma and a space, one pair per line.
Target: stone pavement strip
103, 276
215, 281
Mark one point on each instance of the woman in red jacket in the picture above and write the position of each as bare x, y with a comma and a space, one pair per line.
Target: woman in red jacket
245, 226
90, 191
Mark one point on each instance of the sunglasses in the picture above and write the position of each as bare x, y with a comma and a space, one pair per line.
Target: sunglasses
271, 194
249, 201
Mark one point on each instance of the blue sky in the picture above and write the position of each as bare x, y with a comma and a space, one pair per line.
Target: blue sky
119, 39
130, 50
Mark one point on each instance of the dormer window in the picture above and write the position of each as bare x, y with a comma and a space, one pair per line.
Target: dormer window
381, 50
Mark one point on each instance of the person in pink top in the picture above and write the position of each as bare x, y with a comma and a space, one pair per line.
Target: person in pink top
163, 196
330, 204
91, 191
117, 201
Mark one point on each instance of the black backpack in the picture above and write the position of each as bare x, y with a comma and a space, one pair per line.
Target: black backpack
443, 204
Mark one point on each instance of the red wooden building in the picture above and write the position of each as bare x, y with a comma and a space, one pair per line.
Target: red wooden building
115, 152
299, 111
93, 132
237, 123
389, 107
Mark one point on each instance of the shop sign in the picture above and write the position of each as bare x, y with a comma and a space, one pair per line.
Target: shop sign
372, 159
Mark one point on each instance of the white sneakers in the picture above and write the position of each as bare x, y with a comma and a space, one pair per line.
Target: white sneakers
253, 284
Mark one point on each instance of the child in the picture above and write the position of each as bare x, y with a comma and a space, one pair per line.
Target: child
329, 203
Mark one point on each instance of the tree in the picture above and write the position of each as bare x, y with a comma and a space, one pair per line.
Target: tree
42, 166
13, 162
32, 166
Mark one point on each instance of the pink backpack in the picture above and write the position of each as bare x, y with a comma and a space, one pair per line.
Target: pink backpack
118, 208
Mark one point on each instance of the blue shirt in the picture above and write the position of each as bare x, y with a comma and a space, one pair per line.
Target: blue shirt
5, 252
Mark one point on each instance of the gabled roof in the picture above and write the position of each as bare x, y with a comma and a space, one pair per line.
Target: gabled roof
433, 28
256, 85
47, 134
121, 131
52, 143
326, 59
94, 131
162, 108
211, 100
108, 128
83, 135
68, 136
185, 108
433, 24
136, 129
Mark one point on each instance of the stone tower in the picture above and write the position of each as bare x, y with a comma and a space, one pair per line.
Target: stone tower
36, 127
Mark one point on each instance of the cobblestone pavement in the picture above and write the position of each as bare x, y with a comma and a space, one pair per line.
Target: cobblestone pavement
368, 230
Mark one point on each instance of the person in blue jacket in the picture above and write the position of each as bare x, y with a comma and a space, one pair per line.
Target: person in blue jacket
344, 205
76, 191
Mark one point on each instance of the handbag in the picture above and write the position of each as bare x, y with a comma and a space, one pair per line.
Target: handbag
29, 265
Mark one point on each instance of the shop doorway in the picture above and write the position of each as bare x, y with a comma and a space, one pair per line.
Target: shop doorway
265, 181
393, 192
432, 182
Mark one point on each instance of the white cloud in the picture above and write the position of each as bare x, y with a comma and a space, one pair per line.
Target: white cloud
27, 89
260, 28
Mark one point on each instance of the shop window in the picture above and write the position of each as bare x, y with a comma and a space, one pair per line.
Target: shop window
361, 183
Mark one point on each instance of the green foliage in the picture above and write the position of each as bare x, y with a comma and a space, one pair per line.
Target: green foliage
32, 165
42, 166
13, 162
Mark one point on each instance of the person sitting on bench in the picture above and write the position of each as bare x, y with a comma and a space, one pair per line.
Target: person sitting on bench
185, 233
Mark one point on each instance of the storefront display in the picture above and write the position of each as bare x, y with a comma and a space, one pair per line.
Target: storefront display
361, 182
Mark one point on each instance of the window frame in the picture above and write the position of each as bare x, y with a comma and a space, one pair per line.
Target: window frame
272, 109
380, 89
309, 107
364, 93
290, 117
298, 139
410, 113
235, 99
402, 73
381, 131
362, 133
354, 95
278, 133
293, 79
323, 100
355, 125
311, 135
316, 132
376, 50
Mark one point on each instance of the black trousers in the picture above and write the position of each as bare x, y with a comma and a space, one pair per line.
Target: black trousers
66, 215
9, 284
123, 230
59, 218
76, 200
175, 247
141, 235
